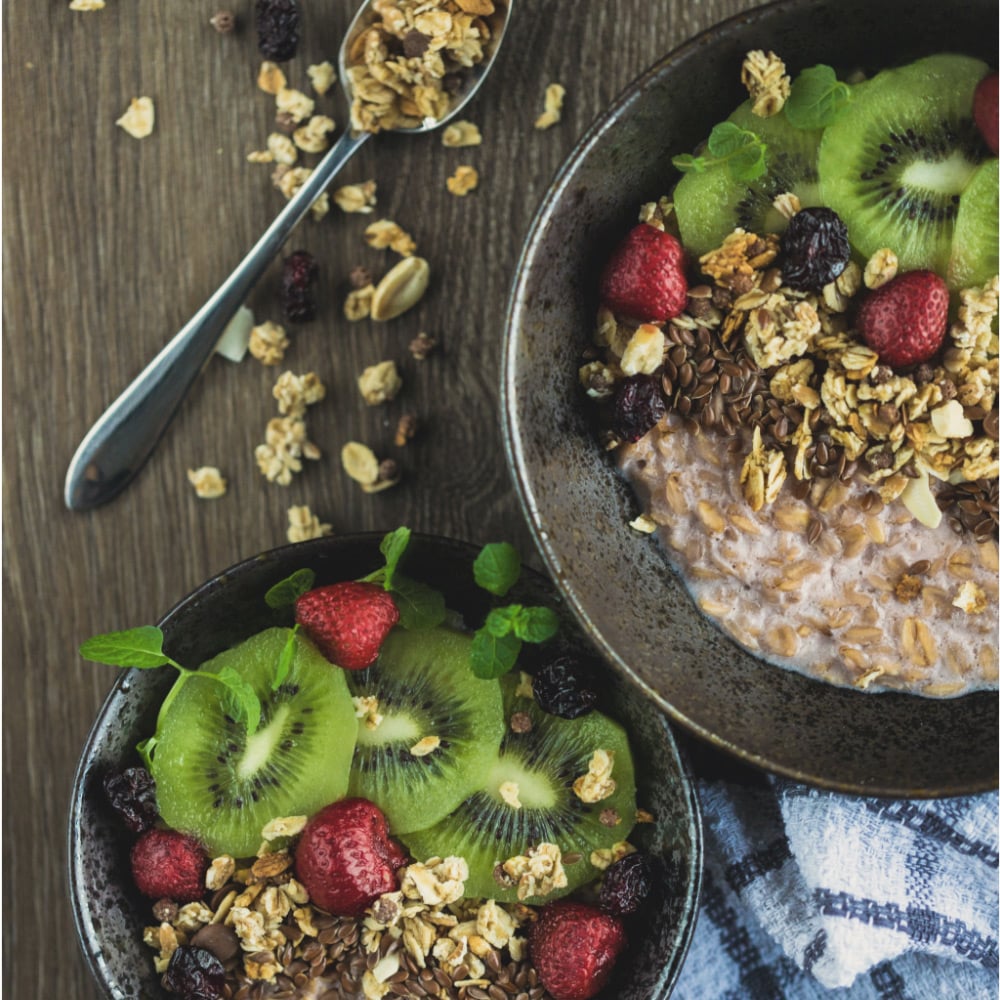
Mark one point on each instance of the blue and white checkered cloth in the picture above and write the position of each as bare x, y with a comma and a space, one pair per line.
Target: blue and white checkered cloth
808, 894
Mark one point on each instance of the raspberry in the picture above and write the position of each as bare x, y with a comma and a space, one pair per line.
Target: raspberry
639, 404
169, 865
814, 249
195, 973
132, 794
278, 26
561, 688
626, 884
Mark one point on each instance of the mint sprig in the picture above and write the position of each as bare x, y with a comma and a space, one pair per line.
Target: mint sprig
817, 98
142, 647
497, 643
740, 151
286, 592
420, 606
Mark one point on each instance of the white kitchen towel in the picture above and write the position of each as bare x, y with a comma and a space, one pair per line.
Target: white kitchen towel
808, 894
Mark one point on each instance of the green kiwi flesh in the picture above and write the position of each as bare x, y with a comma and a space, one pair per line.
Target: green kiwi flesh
974, 257
895, 164
543, 762
710, 204
220, 785
425, 688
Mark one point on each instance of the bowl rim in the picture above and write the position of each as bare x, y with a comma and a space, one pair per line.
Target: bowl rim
84, 925
519, 467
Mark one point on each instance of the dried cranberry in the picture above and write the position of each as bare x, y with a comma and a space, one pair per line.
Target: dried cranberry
561, 687
132, 794
626, 884
298, 275
195, 973
639, 404
277, 24
814, 249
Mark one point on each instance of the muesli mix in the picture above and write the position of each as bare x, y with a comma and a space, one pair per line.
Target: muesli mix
829, 497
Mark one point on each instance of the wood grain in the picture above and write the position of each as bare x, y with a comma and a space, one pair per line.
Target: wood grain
110, 244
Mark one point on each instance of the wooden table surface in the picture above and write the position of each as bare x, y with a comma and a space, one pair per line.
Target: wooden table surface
111, 243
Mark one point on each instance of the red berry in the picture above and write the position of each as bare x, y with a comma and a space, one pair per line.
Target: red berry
905, 320
348, 621
574, 947
984, 110
346, 859
169, 865
644, 279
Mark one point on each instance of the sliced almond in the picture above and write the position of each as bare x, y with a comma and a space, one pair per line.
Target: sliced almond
359, 463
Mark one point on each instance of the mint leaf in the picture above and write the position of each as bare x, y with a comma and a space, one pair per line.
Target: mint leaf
419, 606
140, 647
497, 567
502, 621
741, 151
247, 702
286, 592
393, 546
536, 624
493, 656
817, 98
285, 660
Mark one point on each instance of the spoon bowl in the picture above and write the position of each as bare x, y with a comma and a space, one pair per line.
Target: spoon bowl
125, 435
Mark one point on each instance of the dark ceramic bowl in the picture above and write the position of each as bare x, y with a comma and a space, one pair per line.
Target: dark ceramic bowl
621, 588
110, 914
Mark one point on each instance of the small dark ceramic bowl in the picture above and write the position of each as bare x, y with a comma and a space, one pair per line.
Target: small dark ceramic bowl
110, 914
624, 594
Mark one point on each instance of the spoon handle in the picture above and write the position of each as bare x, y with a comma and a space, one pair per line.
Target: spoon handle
124, 436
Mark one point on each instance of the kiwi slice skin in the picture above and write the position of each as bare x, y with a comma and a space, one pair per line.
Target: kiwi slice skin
710, 204
895, 163
974, 257
425, 688
543, 762
221, 786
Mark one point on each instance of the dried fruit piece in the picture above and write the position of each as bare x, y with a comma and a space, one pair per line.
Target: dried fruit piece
561, 688
278, 28
132, 794
639, 404
814, 249
168, 865
299, 274
626, 884
195, 973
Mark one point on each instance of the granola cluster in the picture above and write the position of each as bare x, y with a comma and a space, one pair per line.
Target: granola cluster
286, 440
406, 64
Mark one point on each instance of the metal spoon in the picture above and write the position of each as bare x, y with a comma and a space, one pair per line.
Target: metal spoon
121, 440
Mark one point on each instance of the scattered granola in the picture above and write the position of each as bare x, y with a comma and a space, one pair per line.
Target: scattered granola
303, 524
422, 345
312, 137
268, 343
555, 93
286, 441
366, 709
293, 102
461, 133
356, 198
271, 78
597, 784
321, 76
768, 84
537, 873
224, 22
86, 4
463, 180
358, 304
380, 383
386, 233
207, 482
139, 117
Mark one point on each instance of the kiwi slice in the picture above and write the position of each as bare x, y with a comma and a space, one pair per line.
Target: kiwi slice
895, 164
429, 700
540, 761
974, 258
221, 785
711, 203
